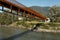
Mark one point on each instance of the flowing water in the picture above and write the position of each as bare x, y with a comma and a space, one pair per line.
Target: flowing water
7, 33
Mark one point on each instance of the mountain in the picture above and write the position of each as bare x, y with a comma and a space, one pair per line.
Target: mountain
43, 10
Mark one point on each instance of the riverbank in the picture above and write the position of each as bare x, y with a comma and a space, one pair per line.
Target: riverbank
38, 30
47, 30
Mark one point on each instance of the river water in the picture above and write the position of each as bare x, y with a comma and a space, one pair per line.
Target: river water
8, 33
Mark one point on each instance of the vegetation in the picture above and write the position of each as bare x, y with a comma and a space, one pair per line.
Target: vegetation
52, 12
51, 26
55, 13
6, 18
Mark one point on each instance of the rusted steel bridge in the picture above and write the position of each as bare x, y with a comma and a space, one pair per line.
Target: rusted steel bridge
18, 7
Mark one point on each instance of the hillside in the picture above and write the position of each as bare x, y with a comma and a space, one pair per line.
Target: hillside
42, 10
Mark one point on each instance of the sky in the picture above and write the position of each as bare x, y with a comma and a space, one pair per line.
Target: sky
42, 3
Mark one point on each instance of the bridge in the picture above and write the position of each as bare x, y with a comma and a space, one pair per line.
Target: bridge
20, 9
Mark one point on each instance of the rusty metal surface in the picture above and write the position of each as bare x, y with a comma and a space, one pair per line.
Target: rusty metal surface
18, 5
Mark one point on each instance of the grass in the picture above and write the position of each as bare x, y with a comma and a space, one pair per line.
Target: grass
52, 26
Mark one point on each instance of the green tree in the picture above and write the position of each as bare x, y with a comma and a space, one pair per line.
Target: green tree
55, 13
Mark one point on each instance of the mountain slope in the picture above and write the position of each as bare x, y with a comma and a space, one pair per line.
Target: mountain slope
43, 10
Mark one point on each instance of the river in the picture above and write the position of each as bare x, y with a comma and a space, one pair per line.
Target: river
8, 33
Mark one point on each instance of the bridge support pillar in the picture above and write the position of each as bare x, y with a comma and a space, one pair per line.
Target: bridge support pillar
17, 15
12, 13
11, 8
29, 17
24, 14
32, 16
2, 8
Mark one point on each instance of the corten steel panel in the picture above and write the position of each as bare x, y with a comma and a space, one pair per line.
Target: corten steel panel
20, 6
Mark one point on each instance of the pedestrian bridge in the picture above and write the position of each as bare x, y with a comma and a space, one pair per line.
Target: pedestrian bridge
20, 9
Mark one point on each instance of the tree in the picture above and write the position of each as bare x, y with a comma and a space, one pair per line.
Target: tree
55, 13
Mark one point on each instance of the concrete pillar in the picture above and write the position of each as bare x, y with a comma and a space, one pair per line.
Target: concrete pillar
24, 14
12, 14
